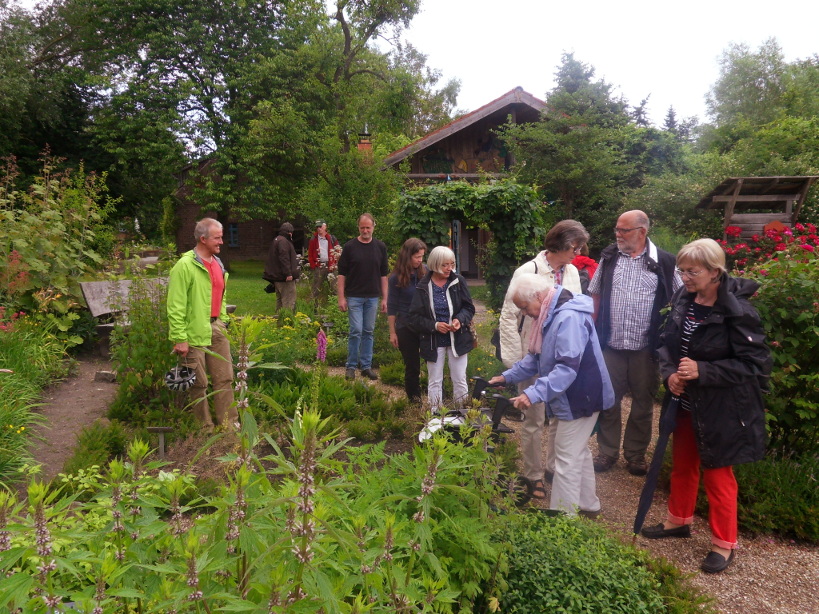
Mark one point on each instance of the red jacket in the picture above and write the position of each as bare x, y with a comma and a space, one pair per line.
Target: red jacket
313, 251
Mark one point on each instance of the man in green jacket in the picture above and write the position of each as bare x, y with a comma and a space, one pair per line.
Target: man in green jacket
197, 319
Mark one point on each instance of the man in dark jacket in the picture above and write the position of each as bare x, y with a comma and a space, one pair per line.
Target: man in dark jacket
282, 267
633, 282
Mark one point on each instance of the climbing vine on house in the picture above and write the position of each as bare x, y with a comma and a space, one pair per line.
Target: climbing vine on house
512, 212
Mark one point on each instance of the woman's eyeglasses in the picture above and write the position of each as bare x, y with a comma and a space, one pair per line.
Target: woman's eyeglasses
689, 273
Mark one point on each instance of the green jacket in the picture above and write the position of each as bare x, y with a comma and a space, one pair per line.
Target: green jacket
189, 294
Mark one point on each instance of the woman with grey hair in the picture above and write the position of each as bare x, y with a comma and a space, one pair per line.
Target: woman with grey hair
562, 243
440, 313
570, 378
713, 357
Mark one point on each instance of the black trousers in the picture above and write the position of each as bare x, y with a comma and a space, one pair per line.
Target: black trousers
409, 344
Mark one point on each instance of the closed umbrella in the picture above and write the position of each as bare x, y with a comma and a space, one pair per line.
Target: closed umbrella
668, 421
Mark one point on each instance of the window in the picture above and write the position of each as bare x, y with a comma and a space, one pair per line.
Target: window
233, 234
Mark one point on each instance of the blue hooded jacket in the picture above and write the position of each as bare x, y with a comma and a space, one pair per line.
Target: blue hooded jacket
572, 377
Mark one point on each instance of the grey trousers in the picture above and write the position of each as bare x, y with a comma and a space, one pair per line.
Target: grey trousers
635, 372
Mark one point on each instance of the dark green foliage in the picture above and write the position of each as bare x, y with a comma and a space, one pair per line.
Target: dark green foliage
428, 212
558, 564
98, 444
372, 415
789, 311
140, 351
780, 494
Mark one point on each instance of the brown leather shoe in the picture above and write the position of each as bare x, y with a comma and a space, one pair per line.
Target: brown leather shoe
603, 462
637, 467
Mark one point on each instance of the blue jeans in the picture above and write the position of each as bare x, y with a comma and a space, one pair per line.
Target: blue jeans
361, 313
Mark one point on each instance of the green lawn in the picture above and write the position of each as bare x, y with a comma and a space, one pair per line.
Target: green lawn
246, 289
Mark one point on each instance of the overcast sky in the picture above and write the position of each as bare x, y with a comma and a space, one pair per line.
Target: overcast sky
667, 49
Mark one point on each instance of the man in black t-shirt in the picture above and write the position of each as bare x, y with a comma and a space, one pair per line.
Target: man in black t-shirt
362, 279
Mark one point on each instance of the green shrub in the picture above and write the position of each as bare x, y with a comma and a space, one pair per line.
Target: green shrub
780, 495
141, 354
97, 444
392, 374
54, 234
34, 359
787, 304
561, 564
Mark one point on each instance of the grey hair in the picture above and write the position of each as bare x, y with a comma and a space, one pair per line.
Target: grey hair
704, 252
203, 227
438, 256
526, 287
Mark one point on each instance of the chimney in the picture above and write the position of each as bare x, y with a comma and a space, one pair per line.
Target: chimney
365, 146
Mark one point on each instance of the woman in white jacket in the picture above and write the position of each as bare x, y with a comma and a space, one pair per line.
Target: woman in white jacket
562, 243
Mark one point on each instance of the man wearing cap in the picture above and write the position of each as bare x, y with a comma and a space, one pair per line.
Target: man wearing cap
282, 267
197, 321
322, 256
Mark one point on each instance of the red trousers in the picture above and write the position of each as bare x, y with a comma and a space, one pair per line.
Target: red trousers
720, 487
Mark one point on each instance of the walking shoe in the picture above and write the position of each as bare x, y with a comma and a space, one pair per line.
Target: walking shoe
349, 374
591, 515
660, 532
715, 562
603, 462
368, 373
637, 467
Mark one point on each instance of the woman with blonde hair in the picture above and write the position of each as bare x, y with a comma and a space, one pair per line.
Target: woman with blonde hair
713, 358
440, 313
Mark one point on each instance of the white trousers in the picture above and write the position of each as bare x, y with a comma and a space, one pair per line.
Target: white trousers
457, 372
574, 484
531, 438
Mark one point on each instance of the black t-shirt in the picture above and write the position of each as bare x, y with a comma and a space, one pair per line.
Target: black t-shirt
363, 265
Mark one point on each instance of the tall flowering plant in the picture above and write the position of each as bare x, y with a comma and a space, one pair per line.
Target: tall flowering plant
786, 263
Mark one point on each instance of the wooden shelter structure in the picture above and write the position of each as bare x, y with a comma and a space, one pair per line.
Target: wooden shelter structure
754, 202
467, 148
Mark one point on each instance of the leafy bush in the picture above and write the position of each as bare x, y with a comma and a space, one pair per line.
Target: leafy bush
562, 564
140, 352
779, 495
97, 444
426, 213
787, 304
358, 402
54, 234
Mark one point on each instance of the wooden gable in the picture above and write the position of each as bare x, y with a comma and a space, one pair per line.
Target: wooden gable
467, 148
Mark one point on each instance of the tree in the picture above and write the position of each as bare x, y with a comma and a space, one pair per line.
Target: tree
750, 86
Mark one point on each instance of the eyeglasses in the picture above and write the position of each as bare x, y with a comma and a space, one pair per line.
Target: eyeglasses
623, 231
449, 264
689, 273
577, 250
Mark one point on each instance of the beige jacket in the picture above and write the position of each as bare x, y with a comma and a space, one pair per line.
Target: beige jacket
514, 344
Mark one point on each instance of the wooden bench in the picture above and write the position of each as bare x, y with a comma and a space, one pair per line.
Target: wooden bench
109, 299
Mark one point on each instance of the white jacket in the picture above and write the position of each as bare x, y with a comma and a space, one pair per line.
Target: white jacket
514, 344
